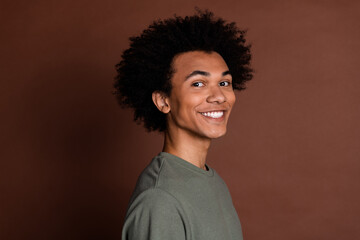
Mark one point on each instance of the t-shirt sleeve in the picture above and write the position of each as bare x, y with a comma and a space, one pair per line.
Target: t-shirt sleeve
154, 215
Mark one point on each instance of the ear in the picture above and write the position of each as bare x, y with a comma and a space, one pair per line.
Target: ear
161, 101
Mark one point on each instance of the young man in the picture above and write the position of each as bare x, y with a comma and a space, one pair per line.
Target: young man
179, 77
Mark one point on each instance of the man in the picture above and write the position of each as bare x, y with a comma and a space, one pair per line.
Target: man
179, 77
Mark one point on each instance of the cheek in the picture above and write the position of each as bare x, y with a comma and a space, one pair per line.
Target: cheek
190, 101
185, 103
180, 106
231, 98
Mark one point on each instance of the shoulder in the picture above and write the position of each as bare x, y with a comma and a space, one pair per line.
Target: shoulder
154, 213
154, 201
149, 177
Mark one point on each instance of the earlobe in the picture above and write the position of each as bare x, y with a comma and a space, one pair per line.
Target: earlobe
161, 101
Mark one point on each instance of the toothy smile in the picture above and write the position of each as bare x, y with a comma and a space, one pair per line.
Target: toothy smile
215, 114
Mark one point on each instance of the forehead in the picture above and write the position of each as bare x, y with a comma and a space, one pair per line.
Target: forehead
185, 63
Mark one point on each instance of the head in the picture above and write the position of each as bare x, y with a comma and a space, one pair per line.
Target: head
201, 96
154, 73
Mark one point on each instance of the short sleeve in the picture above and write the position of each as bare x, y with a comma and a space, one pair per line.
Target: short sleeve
154, 215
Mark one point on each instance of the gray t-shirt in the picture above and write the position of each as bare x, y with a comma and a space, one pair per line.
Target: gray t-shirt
174, 199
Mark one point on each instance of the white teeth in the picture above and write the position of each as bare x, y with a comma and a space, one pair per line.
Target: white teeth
213, 114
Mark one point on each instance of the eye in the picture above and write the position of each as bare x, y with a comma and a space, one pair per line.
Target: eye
198, 84
225, 83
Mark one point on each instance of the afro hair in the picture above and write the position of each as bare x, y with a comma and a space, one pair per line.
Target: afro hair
146, 66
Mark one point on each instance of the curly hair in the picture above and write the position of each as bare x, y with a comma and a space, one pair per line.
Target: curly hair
147, 65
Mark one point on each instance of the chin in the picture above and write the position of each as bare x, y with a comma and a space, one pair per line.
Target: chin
216, 134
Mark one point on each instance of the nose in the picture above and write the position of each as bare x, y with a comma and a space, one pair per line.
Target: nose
216, 95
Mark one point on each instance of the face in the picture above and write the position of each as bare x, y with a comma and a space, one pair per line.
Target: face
202, 96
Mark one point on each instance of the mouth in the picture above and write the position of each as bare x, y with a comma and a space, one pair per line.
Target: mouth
213, 114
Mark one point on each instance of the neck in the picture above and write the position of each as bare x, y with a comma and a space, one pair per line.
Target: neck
187, 146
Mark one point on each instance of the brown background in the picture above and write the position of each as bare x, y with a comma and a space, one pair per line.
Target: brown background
70, 156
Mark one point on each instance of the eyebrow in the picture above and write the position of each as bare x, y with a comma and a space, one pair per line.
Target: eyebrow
203, 73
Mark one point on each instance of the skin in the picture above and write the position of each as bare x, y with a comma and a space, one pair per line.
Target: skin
199, 105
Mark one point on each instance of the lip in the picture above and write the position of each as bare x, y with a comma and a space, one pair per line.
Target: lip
213, 110
216, 119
